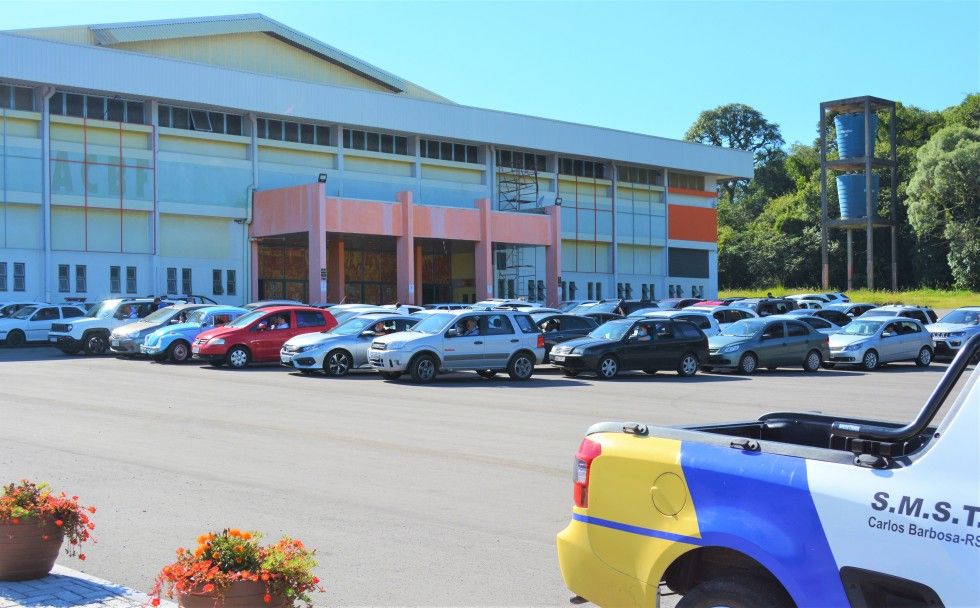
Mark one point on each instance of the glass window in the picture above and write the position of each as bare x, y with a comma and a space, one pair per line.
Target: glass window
275, 130
308, 318
471, 154
217, 120
115, 280
134, 112
3, 276
322, 136
498, 325
200, 121
63, 286
796, 330
171, 280
306, 134
57, 103
19, 276
358, 140
291, 132
388, 144
186, 282
23, 98
70, 312
217, 285
232, 286
180, 118
75, 105
373, 142
131, 279
773, 331
95, 107
163, 116
262, 128
81, 278
459, 153
46, 314
116, 110
526, 324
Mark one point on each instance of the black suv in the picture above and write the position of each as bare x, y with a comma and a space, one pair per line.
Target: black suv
558, 328
767, 306
650, 344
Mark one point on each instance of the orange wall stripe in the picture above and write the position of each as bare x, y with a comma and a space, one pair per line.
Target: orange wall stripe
690, 192
692, 223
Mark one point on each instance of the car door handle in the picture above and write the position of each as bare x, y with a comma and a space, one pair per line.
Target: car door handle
515, 340
478, 342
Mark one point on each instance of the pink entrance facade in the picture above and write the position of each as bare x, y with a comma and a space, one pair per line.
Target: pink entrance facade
327, 220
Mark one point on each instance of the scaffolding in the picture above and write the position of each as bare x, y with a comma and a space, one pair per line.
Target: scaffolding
517, 191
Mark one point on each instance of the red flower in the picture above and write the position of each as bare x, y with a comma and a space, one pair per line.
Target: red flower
45, 537
81, 556
15, 520
267, 599
156, 601
208, 588
92, 510
59, 523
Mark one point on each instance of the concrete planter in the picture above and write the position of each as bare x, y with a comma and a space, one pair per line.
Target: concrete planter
24, 554
240, 594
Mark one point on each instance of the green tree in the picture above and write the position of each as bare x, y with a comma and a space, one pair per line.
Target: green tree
944, 194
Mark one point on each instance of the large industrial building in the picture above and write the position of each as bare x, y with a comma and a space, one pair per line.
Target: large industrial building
238, 158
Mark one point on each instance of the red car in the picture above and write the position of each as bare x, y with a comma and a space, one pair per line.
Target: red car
258, 336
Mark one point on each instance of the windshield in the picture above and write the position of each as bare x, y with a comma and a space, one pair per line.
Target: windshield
880, 313
643, 312
197, 316
861, 328
245, 320
959, 317
104, 309
353, 326
582, 309
159, 316
433, 324
743, 304
745, 328
611, 330
24, 313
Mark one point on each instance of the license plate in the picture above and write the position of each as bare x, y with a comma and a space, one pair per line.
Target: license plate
557, 358
115, 342
52, 339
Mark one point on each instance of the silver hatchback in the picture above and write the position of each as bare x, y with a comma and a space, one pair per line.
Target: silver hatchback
337, 351
869, 342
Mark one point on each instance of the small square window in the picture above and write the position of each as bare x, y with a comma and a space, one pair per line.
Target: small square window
471, 154
115, 281
388, 144
291, 132
275, 130
262, 128
232, 282
185, 280
171, 280
459, 153
217, 121
75, 105
6, 96
23, 98
20, 277
56, 105
446, 151
134, 112
306, 134
163, 116
200, 121
373, 142
358, 140
63, 279
81, 278
423, 148
322, 136
116, 110
181, 118
233, 124
131, 279
401, 145
95, 107
217, 285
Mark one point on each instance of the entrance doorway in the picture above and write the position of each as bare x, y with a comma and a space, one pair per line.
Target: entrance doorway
448, 271
283, 263
370, 270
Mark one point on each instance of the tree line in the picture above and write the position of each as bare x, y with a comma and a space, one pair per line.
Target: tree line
769, 227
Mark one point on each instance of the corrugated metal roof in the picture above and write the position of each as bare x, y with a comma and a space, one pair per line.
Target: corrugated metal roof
108, 34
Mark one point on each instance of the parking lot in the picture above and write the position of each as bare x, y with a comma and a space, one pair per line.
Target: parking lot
445, 494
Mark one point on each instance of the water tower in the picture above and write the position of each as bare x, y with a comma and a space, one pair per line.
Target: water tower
856, 124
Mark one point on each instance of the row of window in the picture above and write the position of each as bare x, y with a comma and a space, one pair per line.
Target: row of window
686, 180
219, 287
444, 150
639, 175
81, 279
625, 291
20, 276
199, 120
677, 291
581, 168
284, 130
515, 159
16, 98
373, 141
96, 107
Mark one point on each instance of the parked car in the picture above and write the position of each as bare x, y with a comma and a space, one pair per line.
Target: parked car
809, 304
346, 312
486, 341
851, 309
91, 332
818, 323
616, 306
504, 303
765, 307
189, 298
257, 337
770, 342
834, 316
704, 321
951, 332
677, 303
271, 303
127, 339
601, 317
337, 351
568, 305
32, 323
871, 341
9, 308
728, 301
446, 306
922, 314
173, 342
558, 328
648, 344
790, 509
725, 315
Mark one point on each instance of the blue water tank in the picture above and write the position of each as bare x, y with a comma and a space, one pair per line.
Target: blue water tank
850, 134
851, 194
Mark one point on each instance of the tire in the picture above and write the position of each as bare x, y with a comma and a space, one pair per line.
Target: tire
16, 338
179, 352
688, 365
735, 592
748, 364
390, 375
813, 361
338, 363
570, 373
96, 344
924, 358
423, 369
870, 360
489, 374
238, 357
651, 372
608, 367
521, 366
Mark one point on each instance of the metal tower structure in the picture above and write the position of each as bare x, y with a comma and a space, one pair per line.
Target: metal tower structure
517, 191
869, 106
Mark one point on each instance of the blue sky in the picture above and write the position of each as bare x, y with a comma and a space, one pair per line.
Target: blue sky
649, 67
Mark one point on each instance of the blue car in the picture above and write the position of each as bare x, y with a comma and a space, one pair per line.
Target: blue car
173, 342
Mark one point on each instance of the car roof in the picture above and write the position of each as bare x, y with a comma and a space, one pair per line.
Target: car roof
673, 313
293, 307
977, 308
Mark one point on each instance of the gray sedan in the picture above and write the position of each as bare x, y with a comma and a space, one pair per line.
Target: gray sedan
771, 342
871, 342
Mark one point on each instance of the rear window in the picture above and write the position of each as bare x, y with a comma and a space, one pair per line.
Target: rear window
306, 318
70, 312
526, 324
816, 323
684, 329
697, 320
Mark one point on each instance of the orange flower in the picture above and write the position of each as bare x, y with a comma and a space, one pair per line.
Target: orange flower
267, 599
202, 539
234, 532
199, 552
265, 576
156, 601
91, 509
316, 581
81, 556
246, 535
59, 523
208, 588
238, 548
180, 550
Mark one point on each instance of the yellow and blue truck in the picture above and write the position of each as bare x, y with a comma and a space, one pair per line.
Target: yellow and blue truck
791, 509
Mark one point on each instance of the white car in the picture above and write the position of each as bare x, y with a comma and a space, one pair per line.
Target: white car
32, 323
486, 341
871, 341
725, 315
345, 347
705, 321
9, 308
91, 332
951, 332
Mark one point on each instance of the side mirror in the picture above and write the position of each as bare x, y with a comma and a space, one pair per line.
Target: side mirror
452, 333
888, 334
368, 333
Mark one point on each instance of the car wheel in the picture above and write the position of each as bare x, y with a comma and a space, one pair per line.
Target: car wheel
924, 358
748, 364
337, 363
570, 373
16, 338
423, 369
652, 372
238, 357
390, 375
735, 592
688, 365
179, 351
870, 361
812, 361
608, 367
489, 374
96, 344
521, 367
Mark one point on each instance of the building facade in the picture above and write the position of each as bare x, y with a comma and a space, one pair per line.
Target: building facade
237, 158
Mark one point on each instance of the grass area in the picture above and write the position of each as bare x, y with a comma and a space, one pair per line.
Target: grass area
936, 298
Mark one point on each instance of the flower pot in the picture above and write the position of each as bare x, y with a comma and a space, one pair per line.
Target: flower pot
851, 195
24, 554
850, 134
240, 594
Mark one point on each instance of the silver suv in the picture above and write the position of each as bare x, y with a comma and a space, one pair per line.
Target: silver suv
486, 341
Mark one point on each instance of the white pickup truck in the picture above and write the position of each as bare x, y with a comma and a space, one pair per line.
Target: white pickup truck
789, 510
91, 332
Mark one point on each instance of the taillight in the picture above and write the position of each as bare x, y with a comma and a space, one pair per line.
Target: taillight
540, 340
587, 452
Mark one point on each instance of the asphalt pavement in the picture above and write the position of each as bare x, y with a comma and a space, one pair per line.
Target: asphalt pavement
448, 494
